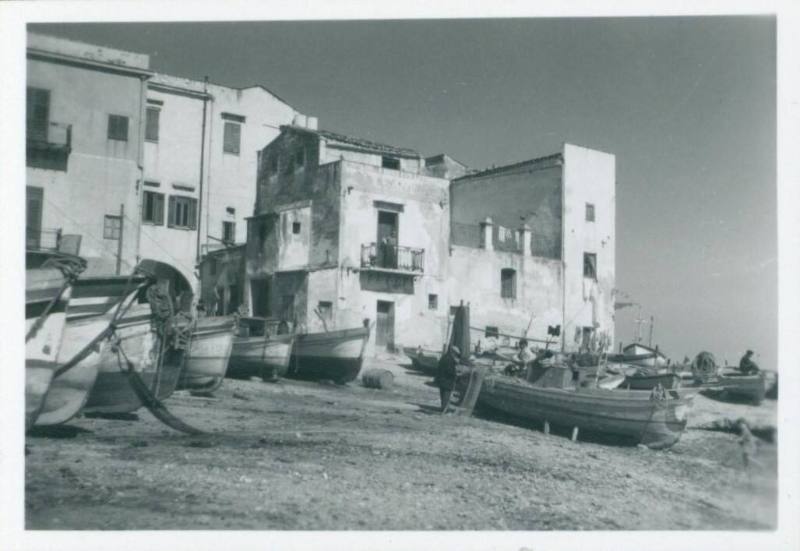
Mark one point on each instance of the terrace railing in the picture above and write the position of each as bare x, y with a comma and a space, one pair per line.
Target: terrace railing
383, 256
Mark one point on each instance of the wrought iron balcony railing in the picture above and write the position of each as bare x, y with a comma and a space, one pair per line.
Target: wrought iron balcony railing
383, 256
42, 239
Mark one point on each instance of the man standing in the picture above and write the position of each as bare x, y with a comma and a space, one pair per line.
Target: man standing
446, 372
747, 365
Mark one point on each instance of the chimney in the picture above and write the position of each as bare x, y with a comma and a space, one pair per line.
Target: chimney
486, 234
525, 237
300, 120
312, 123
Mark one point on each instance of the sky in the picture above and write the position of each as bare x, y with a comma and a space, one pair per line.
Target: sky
687, 105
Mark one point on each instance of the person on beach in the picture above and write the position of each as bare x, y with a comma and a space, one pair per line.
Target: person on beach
446, 372
747, 365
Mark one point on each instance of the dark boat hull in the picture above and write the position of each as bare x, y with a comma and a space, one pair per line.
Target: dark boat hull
748, 387
335, 356
648, 382
631, 415
423, 360
265, 357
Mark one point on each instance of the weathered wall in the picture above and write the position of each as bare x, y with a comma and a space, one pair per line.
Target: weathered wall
475, 278
528, 191
423, 223
221, 272
101, 174
589, 177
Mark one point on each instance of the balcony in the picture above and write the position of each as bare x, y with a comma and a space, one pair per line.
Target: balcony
48, 146
392, 258
42, 239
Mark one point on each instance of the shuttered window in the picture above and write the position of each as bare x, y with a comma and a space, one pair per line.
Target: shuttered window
37, 113
112, 227
182, 212
232, 138
151, 128
508, 283
118, 128
153, 208
590, 265
229, 232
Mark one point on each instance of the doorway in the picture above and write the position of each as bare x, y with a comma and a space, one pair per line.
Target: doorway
387, 239
260, 297
384, 331
33, 222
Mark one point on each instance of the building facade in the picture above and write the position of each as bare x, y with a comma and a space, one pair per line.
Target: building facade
533, 247
84, 118
125, 164
347, 230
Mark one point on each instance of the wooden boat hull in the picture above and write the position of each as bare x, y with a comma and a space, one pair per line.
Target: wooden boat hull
631, 415
42, 286
426, 361
92, 307
265, 357
112, 393
209, 354
648, 382
749, 387
336, 355
643, 356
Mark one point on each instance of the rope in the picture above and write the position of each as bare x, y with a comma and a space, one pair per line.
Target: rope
71, 267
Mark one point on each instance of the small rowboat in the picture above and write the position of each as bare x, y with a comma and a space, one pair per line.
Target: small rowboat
641, 355
208, 355
259, 351
92, 308
47, 295
632, 415
335, 355
424, 360
738, 385
158, 364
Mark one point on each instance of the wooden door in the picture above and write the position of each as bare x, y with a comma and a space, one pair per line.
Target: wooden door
384, 333
33, 221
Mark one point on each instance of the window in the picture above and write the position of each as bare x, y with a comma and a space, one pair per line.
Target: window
508, 283
232, 138
273, 165
182, 212
112, 227
299, 159
390, 162
433, 302
118, 128
325, 309
37, 113
590, 265
263, 229
589, 212
229, 232
491, 332
230, 210
295, 227
153, 208
151, 127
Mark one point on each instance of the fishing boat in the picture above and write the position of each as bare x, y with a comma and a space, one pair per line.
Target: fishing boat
48, 287
633, 415
91, 310
644, 356
422, 359
208, 355
738, 385
642, 381
333, 355
259, 350
150, 341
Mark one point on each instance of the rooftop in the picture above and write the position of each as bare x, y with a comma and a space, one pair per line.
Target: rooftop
88, 52
362, 144
555, 159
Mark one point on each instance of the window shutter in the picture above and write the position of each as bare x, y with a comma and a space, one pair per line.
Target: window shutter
232, 137
151, 128
171, 214
192, 222
158, 207
37, 113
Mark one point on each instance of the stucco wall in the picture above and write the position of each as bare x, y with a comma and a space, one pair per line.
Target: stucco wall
529, 192
101, 174
589, 177
475, 278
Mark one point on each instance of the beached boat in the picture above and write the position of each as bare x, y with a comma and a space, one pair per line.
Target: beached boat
259, 351
48, 288
628, 414
641, 355
334, 355
641, 381
422, 359
737, 385
208, 355
92, 308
